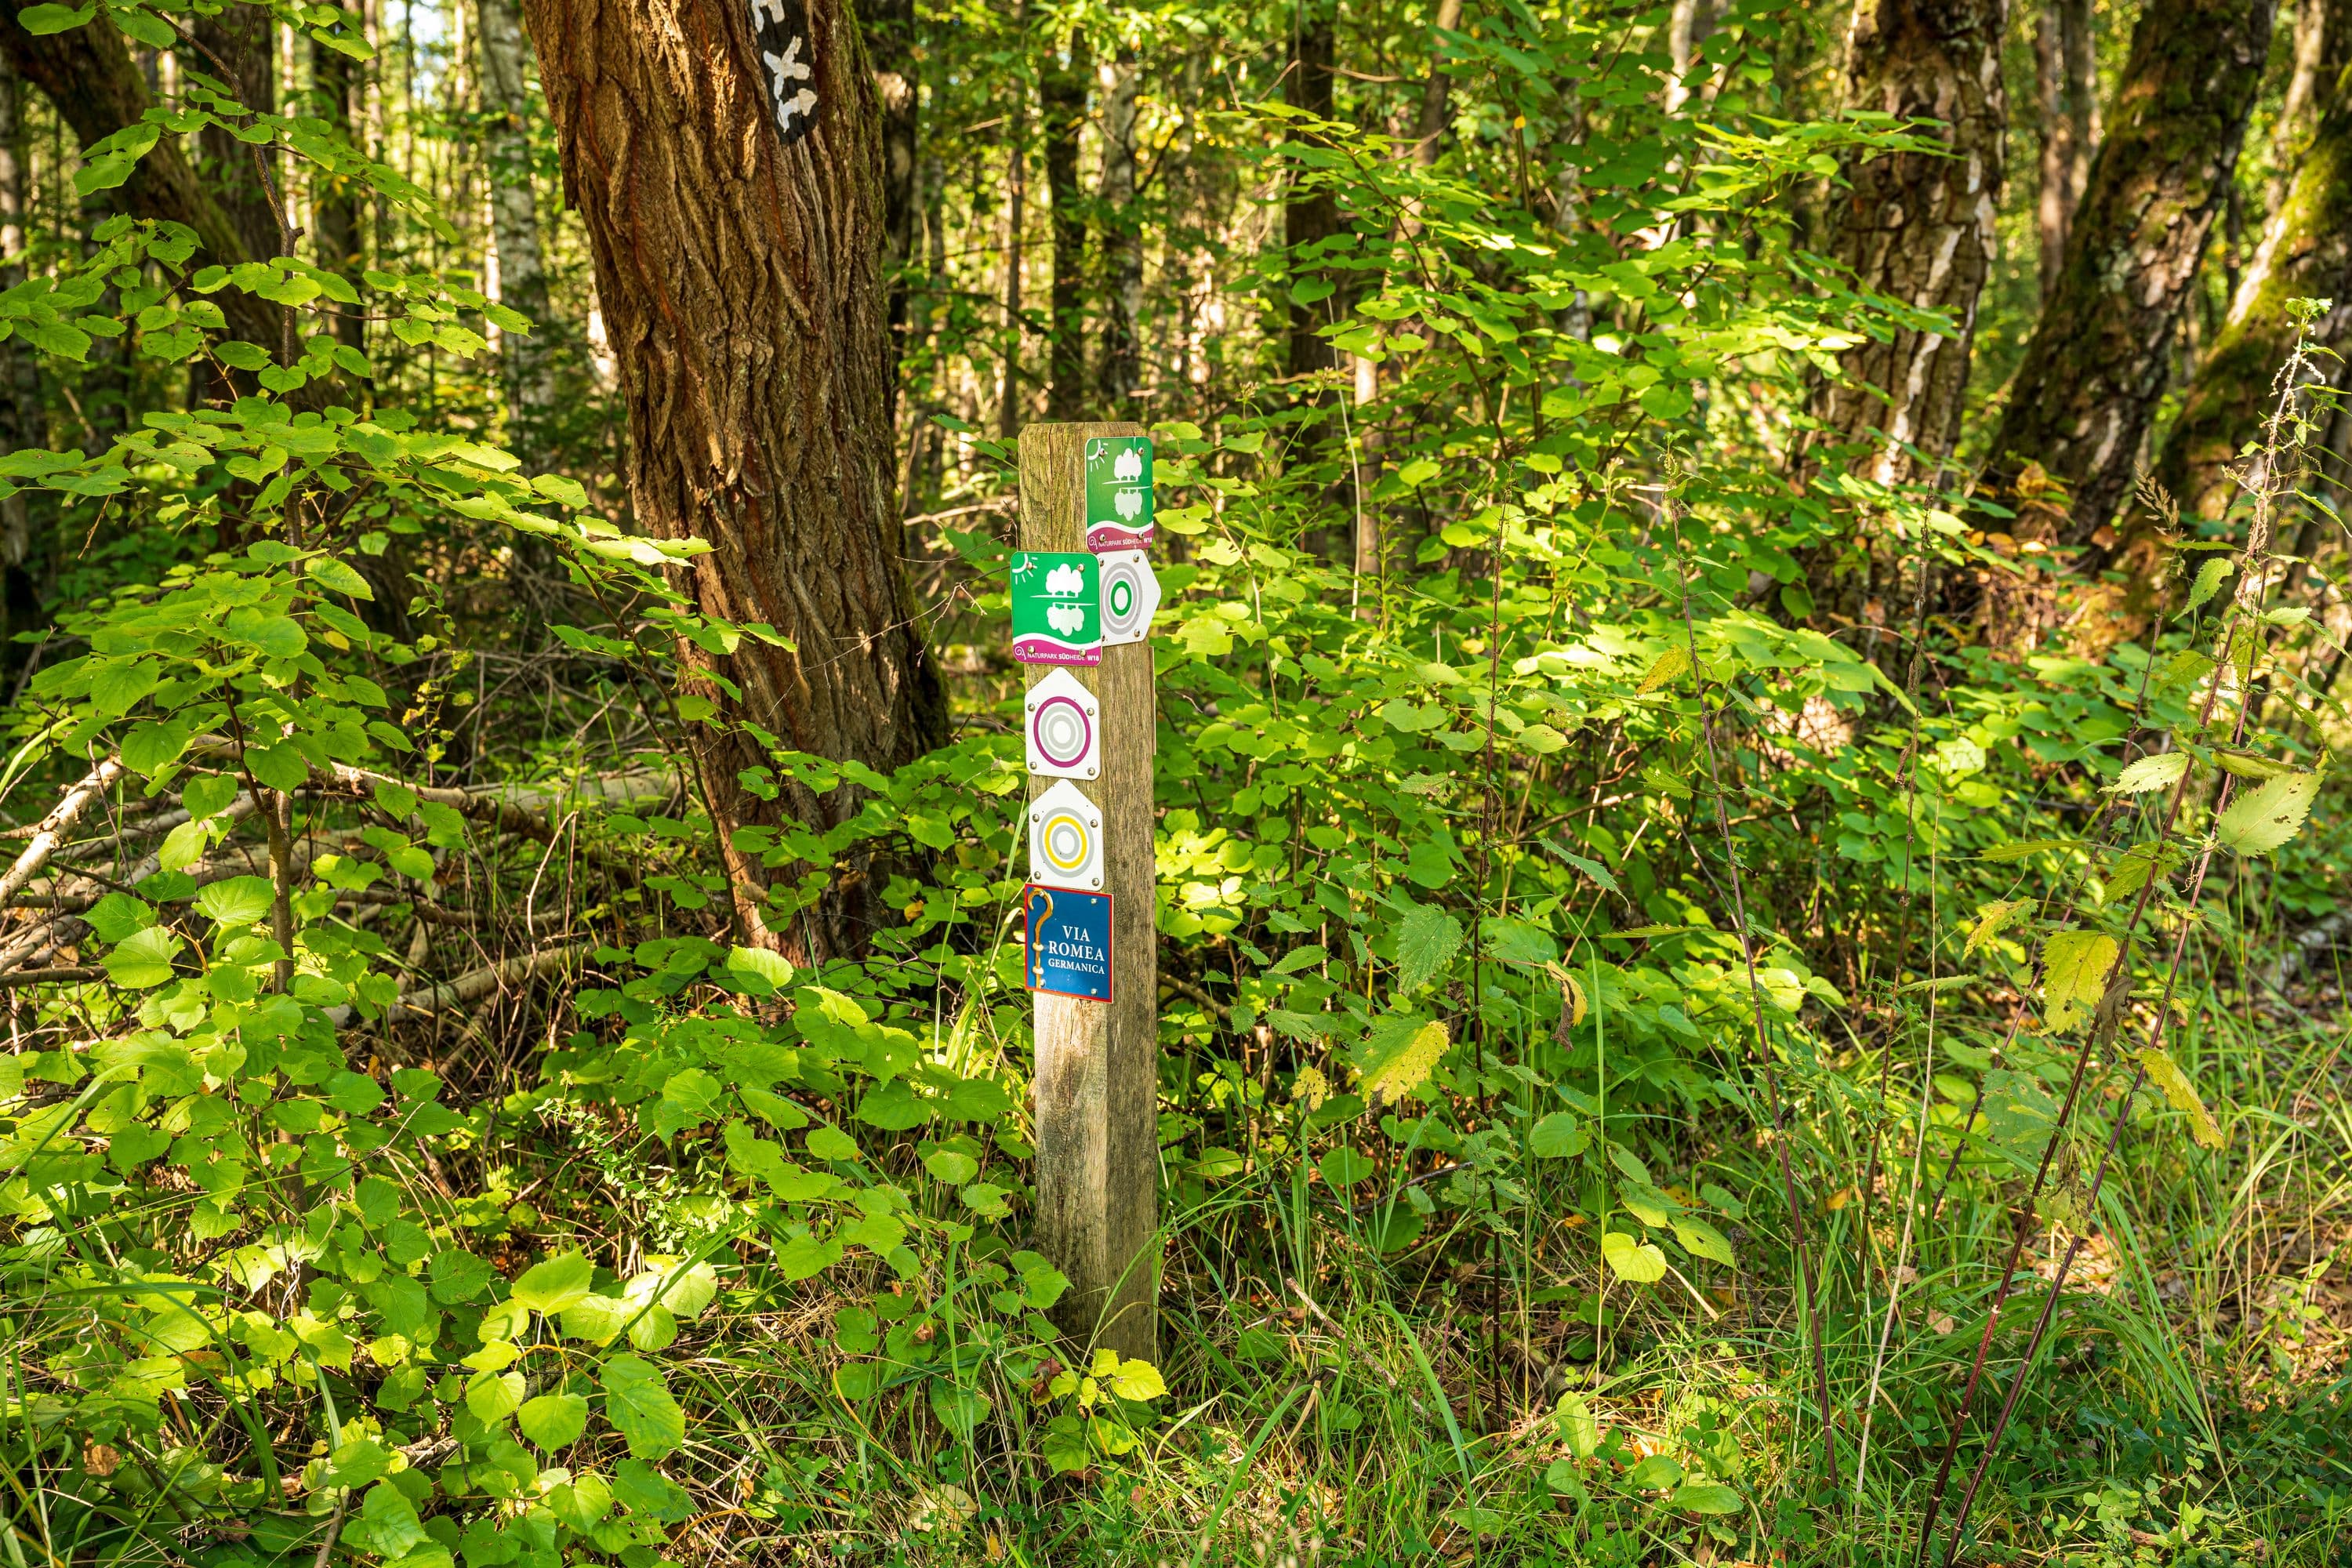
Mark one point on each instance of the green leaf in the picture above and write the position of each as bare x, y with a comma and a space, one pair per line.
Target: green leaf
758, 971
2158, 771
144, 958
337, 577
1654, 1473
183, 846
1671, 667
42, 20
1578, 1428
208, 794
280, 767
149, 749
1426, 942
118, 687
239, 901
2074, 965
948, 1165
555, 1283
1559, 1136
1636, 1260
1705, 1496
117, 916
2209, 582
1344, 1166
493, 1396
2167, 1075
1990, 919
1703, 1241
959, 1409
638, 1404
2259, 823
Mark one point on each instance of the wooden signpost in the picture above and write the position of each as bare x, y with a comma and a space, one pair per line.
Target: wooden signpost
1097, 1061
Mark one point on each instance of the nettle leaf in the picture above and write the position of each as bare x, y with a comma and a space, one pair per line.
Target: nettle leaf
2167, 1075
1427, 940
1638, 1261
1398, 1056
2158, 771
2259, 823
638, 1404
1990, 919
2074, 965
2209, 582
555, 1283
239, 901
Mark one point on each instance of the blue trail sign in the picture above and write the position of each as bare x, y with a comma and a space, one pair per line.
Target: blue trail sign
1069, 942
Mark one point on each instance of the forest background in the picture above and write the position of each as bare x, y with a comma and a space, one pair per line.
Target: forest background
1748, 896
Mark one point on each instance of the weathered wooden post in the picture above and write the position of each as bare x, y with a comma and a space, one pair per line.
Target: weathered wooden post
1083, 599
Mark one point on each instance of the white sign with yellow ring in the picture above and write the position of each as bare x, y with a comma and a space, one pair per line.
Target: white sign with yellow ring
1065, 839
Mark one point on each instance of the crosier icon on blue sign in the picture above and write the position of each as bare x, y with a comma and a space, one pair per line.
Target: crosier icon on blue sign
1069, 942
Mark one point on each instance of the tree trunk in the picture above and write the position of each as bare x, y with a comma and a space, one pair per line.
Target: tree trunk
1688, 23
1120, 378
97, 90
2067, 58
2319, 58
334, 201
1016, 184
1312, 215
2081, 402
238, 46
1918, 228
1062, 106
897, 80
514, 221
2306, 253
22, 422
733, 211
1429, 129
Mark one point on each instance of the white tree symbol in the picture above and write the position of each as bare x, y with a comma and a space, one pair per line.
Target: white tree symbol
1130, 503
1067, 619
1129, 465
1065, 582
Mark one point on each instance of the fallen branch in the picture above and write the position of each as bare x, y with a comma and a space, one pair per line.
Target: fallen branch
49, 976
474, 985
53, 828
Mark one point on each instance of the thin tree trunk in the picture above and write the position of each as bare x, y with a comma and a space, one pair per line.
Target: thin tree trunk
897, 80
2319, 58
2081, 402
2066, 57
1062, 106
1429, 129
22, 422
1311, 215
336, 237
1120, 378
1916, 227
2305, 254
514, 221
1016, 182
734, 215
1688, 23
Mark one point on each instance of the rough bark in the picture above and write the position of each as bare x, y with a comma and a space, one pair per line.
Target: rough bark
238, 47
897, 80
1062, 107
514, 220
2306, 253
335, 200
2065, 43
1916, 227
1311, 215
1120, 375
742, 287
2082, 399
97, 90
1016, 201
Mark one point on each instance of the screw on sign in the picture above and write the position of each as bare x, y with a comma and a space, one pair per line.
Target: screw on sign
1066, 848
1065, 728
780, 28
1119, 492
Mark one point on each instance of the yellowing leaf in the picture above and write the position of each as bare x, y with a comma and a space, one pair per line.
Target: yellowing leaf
1989, 918
1398, 1057
1636, 1260
2158, 772
1671, 666
1137, 1380
2074, 965
2167, 1077
2261, 822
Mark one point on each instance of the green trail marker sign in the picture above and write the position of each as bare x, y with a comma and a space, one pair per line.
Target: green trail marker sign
1056, 607
1119, 492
